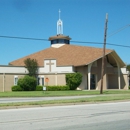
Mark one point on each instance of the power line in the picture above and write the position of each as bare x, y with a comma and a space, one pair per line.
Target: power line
87, 42
100, 43
24, 38
41, 39
117, 45
128, 25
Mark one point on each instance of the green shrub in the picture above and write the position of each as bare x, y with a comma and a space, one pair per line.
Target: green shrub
53, 88
16, 88
39, 88
129, 87
73, 80
63, 88
27, 83
57, 88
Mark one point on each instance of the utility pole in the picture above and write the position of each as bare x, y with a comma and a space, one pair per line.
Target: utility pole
103, 57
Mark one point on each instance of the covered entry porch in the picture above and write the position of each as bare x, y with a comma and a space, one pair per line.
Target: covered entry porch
113, 78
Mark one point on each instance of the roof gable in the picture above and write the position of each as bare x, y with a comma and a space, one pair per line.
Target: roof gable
65, 55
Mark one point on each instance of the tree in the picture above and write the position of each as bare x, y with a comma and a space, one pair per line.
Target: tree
32, 66
73, 80
128, 67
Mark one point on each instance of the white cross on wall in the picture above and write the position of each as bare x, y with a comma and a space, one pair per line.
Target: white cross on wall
50, 65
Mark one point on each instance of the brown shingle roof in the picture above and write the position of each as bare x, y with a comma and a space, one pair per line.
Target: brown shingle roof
65, 55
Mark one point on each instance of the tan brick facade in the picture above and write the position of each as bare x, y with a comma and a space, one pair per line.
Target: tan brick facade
7, 80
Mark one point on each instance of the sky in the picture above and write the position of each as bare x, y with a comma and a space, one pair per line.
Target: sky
83, 20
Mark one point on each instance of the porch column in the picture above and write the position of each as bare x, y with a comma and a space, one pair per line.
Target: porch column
89, 75
119, 74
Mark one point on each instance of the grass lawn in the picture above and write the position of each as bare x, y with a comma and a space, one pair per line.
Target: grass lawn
59, 93
97, 99
108, 95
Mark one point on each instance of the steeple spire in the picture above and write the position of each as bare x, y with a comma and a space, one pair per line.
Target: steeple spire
59, 25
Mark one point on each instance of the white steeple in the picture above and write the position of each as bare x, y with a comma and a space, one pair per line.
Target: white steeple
59, 25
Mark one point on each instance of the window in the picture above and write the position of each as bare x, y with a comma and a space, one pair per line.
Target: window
56, 41
38, 80
15, 80
42, 81
61, 41
66, 41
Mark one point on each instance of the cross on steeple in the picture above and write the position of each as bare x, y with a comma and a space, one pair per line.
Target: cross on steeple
59, 13
50, 65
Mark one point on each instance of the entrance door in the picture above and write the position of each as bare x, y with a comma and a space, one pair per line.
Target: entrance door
93, 82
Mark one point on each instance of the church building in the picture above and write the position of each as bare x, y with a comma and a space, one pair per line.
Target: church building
62, 58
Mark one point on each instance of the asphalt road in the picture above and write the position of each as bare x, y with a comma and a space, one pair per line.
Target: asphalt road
103, 116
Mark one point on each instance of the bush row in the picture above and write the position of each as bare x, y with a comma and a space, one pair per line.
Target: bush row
58, 88
29, 83
40, 88
53, 88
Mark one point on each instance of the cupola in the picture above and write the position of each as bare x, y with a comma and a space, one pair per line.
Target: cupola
59, 39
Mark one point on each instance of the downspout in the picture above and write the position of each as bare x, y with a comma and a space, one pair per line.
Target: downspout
56, 79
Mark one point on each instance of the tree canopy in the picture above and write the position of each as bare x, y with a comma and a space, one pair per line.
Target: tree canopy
128, 67
32, 66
